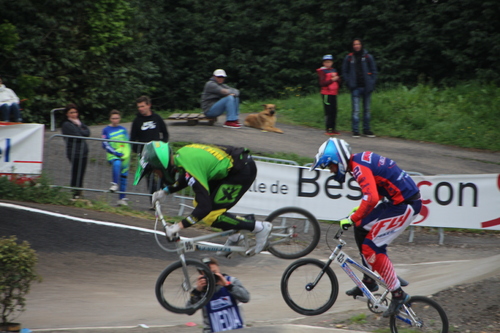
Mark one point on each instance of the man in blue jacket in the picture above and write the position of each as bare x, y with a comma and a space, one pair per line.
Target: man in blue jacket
360, 74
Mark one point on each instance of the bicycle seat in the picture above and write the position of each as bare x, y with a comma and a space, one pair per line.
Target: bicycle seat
403, 282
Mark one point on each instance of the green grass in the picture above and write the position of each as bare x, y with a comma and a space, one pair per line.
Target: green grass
358, 319
467, 115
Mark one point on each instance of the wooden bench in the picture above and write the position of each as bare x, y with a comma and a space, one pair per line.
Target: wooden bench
192, 118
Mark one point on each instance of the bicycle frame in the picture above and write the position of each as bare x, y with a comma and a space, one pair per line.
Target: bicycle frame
345, 262
199, 243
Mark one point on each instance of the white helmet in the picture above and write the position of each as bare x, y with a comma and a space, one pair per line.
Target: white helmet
335, 151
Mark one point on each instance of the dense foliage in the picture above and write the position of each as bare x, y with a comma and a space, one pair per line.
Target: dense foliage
102, 54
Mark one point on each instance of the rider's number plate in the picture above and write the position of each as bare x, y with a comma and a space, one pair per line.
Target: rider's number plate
341, 257
188, 245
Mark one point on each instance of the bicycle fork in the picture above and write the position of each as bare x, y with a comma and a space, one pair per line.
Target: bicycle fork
186, 284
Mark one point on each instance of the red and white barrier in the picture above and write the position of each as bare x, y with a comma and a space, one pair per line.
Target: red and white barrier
21, 150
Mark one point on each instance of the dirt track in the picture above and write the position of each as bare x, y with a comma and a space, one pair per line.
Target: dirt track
106, 279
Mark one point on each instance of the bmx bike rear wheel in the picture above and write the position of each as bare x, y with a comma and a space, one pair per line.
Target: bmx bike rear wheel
420, 314
301, 229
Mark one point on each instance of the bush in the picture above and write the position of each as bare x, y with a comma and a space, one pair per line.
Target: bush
40, 191
17, 271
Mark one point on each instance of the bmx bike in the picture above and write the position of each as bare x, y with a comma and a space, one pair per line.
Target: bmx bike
295, 233
310, 287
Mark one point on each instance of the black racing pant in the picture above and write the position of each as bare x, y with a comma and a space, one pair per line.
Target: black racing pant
226, 193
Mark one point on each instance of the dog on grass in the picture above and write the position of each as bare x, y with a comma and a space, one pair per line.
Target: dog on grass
264, 120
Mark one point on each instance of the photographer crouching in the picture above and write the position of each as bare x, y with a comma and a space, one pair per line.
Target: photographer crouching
222, 312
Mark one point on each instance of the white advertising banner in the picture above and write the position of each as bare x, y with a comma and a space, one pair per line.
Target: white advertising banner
450, 201
21, 149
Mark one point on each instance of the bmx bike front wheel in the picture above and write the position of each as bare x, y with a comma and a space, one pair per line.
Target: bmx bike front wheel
175, 285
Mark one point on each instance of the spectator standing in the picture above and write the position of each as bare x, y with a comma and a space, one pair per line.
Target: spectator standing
76, 149
218, 98
9, 104
147, 126
359, 72
222, 312
329, 83
118, 154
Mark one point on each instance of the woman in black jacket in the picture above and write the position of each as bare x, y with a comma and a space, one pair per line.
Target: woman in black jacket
76, 149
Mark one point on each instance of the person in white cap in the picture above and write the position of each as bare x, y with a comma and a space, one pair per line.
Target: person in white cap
218, 98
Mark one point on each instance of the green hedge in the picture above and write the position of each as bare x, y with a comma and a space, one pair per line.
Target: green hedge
102, 54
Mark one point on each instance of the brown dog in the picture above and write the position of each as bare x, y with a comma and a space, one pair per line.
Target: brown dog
264, 120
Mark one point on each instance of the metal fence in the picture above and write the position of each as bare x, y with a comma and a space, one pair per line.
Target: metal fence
98, 173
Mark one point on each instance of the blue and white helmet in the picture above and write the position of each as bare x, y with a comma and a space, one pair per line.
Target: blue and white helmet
335, 151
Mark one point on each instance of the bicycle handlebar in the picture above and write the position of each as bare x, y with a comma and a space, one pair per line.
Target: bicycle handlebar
159, 214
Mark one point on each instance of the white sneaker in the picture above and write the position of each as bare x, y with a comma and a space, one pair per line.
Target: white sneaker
230, 242
114, 187
261, 237
122, 202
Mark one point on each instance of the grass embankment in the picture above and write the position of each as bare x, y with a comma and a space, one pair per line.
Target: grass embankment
467, 115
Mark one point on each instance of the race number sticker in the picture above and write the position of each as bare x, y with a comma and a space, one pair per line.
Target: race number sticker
188, 245
341, 258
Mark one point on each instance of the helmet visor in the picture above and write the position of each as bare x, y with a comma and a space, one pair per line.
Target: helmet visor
321, 161
156, 155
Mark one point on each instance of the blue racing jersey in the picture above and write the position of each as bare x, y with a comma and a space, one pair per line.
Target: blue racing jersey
379, 177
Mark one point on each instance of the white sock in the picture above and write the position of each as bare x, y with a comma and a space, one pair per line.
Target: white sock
258, 227
234, 237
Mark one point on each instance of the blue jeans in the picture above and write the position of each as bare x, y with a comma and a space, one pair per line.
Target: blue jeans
6, 111
230, 104
120, 173
356, 94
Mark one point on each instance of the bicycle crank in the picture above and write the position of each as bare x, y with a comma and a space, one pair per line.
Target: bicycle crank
380, 306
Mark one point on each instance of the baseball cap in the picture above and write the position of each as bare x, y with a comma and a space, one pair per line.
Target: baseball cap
220, 72
328, 57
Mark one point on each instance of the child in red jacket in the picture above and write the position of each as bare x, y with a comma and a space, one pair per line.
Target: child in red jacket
329, 83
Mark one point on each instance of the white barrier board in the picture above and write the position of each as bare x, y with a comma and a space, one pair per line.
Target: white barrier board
21, 148
450, 201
